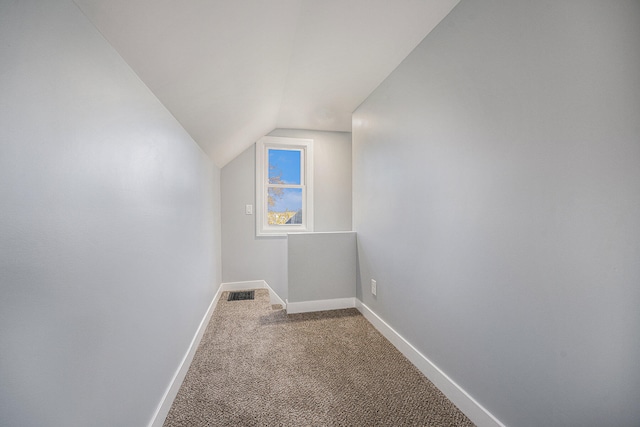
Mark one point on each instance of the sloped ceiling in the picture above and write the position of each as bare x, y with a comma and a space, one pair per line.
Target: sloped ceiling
233, 70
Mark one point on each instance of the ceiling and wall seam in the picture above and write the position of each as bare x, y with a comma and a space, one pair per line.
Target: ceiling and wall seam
230, 72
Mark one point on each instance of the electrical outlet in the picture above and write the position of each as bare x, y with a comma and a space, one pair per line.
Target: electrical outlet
374, 287
248, 209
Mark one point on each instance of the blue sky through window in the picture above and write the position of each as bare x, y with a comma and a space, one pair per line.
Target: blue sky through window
285, 165
290, 199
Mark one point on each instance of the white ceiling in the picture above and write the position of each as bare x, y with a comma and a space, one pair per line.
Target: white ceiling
233, 70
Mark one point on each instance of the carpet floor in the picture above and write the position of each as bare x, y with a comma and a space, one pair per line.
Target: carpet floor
258, 366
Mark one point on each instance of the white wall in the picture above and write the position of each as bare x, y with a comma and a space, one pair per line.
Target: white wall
247, 257
497, 203
109, 228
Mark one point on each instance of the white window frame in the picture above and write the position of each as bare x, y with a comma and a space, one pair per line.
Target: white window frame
262, 183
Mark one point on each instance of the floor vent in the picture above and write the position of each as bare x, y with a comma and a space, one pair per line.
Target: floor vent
239, 296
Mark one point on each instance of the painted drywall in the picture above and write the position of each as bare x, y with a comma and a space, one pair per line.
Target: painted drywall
332, 177
109, 228
321, 266
496, 199
247, 257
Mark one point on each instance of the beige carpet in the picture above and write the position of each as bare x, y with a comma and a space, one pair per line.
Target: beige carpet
257, 366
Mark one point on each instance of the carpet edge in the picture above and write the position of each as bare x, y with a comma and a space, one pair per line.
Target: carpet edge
162, 410
477, 413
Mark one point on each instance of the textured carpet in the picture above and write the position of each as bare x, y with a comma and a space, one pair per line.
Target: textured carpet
258, 366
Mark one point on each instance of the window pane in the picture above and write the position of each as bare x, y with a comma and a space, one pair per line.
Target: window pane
284, 166
285, 206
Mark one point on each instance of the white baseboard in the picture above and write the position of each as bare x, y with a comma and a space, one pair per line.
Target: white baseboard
174, 386
254, 284
241, 286
320, 305
467, 404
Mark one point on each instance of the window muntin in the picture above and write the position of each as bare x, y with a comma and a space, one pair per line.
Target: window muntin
284, 190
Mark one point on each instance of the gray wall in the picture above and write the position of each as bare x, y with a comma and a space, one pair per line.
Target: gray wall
497, 203
332, 177
109, 228
247, 257
321, 266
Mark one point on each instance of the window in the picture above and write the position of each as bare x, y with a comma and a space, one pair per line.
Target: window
284, 186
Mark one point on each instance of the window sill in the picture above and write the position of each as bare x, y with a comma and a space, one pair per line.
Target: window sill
280, 233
